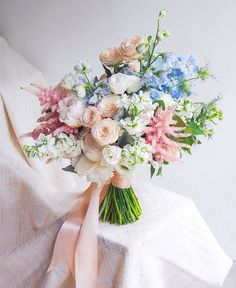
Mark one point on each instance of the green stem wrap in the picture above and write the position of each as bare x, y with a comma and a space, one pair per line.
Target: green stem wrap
120, 205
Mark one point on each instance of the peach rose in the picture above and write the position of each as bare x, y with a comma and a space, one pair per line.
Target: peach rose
128, 49
92, 150
90, 116
111, 57
106, 132
108, 106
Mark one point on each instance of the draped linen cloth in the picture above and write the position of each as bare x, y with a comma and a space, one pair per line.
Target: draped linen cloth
170, 247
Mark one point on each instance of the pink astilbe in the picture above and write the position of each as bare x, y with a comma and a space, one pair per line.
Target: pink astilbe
158, 134
49, 122
48, 97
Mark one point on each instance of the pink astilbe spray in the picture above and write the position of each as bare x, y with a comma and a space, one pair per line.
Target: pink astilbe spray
48, 97
49, 122
158, 134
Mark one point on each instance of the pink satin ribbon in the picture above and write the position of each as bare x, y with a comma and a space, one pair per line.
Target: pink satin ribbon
76, 241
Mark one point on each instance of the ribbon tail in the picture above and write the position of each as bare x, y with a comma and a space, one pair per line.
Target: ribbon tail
86, 253
65, 243
67, 236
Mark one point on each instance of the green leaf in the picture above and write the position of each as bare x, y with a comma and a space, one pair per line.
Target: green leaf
180, 122
159, 171
161, 104
187, 150
194, 129
152, 170
108, 72
69, 168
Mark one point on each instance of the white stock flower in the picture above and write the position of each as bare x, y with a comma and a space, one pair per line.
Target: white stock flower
46, 146
168, 100
60, 146
140, 109
68, 146
133, 155
111, 154
119, 83
71, 109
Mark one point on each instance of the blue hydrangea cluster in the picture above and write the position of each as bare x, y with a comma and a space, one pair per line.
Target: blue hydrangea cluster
173, 75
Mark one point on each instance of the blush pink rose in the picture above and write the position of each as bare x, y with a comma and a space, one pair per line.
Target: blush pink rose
90, 116
105, 132
128, 49
111, 57
108, 106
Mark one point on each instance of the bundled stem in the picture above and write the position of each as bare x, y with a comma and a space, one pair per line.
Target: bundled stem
120, 206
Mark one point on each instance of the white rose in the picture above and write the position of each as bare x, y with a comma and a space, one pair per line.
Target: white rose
118, 83
133, 84
71, 109
111, 154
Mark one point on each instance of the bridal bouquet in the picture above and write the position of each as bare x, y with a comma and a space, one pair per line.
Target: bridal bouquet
138, 112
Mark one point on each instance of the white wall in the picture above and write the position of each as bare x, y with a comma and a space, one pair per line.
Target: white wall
54, 34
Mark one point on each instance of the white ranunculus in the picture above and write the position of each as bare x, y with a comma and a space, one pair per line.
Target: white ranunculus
71, 109
111, 154
133, 84
101, 174
95, 171
85, 166
118, 83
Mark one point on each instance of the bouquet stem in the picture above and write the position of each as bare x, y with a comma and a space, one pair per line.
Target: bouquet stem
120, 206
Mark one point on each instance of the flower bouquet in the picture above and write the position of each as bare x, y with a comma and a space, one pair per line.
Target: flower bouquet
138, 112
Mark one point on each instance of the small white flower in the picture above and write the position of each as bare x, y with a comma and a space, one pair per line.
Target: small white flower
83, 67
111, 154
69, 81
80, 90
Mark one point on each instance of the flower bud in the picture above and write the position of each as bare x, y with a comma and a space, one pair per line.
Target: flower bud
162, 13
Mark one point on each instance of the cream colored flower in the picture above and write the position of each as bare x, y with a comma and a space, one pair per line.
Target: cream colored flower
91, 149
111, 57
70, 110
106, 132
90, 116
108, 106
128, 49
